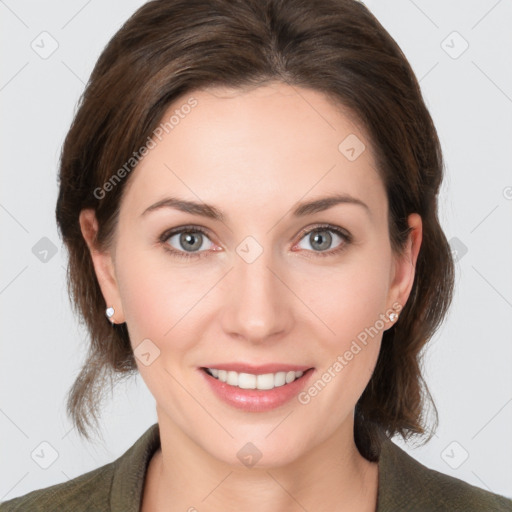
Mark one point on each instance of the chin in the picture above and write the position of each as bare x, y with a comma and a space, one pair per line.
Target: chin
256, 452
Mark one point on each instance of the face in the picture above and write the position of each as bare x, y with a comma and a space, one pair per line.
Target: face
256, 278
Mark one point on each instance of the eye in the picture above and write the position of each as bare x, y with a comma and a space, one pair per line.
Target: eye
187, 242
193, 241
321, 238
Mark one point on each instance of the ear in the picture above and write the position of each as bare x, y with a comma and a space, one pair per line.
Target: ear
103, 265
402, 277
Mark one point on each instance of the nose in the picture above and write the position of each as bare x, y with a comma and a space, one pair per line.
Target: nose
257, 303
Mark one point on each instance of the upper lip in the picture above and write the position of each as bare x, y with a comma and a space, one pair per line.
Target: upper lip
259, 369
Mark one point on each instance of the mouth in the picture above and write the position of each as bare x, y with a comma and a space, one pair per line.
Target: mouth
256, 388
257, 380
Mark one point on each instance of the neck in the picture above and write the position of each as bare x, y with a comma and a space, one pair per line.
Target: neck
332, 476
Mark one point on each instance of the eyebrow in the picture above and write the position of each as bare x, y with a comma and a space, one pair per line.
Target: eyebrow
211, 212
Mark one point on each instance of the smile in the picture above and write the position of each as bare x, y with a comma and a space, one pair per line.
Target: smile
251, 381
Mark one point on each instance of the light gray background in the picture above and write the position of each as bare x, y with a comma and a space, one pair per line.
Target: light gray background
468, 363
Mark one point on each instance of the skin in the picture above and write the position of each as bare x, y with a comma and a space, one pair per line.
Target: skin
255, 154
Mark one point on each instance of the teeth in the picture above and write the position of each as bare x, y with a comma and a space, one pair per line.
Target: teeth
250, 381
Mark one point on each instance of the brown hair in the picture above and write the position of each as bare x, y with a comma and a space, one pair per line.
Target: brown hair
170, 48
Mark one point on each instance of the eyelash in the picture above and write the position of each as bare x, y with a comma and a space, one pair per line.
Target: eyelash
164, 237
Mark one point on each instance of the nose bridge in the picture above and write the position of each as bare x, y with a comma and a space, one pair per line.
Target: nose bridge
257, 307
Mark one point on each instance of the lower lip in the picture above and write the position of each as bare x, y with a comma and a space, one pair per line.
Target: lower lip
256, 400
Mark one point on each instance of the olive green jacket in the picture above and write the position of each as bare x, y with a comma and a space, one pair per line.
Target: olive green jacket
404, 485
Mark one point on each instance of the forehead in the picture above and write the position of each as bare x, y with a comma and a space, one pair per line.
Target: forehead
266, 143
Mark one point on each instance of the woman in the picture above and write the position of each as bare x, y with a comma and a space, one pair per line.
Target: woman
248, 194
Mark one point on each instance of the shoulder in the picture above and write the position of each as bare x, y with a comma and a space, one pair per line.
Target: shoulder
89, 491
114, 486
407, 485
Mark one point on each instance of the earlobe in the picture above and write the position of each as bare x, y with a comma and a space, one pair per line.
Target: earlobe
103, 265
405, 264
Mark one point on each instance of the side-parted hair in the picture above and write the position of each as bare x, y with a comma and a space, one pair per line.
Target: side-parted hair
170, 48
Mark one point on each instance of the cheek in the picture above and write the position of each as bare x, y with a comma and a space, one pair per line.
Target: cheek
350, 298
158, 304
156, 298
349, 301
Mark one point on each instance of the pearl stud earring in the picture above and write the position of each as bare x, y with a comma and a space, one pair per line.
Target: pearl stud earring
110, 313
